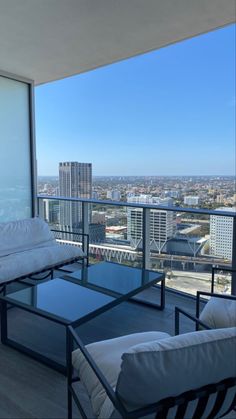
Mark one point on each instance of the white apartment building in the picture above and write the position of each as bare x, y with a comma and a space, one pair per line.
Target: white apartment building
162, 222
191, 200
221, 234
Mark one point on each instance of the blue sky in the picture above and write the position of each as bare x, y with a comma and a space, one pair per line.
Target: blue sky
168, 112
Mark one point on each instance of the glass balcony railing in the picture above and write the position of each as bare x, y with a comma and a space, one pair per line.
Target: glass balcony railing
185, 243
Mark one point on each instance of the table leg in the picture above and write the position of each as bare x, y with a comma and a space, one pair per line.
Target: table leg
3, 322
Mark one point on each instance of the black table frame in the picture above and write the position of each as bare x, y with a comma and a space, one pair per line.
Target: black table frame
7, 302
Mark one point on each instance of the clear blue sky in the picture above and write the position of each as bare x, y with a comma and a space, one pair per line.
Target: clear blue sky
168, 112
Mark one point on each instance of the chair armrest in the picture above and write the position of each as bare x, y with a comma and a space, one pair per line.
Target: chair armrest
73, 337
210, 294
195, 319
218, 268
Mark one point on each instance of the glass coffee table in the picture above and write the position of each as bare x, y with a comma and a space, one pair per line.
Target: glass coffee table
77, 298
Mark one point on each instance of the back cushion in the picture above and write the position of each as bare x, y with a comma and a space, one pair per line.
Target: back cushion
17, 236
153, 371
219, 312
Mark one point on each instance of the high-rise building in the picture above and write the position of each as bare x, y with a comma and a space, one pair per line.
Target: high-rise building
162, 222
75, 181
221, 234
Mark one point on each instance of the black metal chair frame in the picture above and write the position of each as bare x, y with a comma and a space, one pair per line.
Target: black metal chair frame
199, 300
49, 269
161, 408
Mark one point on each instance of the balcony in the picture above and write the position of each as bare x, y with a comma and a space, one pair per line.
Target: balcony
30, 389
40, 43
46, 392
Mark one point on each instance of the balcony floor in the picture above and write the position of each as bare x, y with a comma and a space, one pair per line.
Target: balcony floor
29, 389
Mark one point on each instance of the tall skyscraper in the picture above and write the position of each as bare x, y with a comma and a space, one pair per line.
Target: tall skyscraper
75, 181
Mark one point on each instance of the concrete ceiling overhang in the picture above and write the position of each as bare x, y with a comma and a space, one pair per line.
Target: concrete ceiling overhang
46, 40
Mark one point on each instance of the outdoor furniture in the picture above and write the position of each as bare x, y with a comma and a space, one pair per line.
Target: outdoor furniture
28, 247
72, 300
218, 312
155, 374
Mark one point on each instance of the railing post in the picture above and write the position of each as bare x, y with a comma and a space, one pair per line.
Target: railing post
146, 238
233, 283
85, 224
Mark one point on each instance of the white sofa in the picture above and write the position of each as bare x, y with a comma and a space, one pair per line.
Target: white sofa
28, 247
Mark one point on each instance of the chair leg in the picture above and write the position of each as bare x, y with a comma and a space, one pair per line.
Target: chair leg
69, 403
69, 348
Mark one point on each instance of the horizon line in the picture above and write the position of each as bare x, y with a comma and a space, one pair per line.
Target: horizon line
183, 175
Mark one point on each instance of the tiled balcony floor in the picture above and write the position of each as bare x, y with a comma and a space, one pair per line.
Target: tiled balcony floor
29, 389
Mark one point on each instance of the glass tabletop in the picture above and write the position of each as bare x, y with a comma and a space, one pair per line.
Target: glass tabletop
116, 278
83, 293
61, 298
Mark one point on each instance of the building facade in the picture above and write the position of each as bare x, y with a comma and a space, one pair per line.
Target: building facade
162, 222
114, 195
221, 234
191, 200
75, 181
51, 211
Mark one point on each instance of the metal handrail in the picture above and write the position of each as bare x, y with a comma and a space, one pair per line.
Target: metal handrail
136, 205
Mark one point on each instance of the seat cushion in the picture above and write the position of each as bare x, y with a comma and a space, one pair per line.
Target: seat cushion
155, 370
21, 235
30, 261
107, 355
219, 312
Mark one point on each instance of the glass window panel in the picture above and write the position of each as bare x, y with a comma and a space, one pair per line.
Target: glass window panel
15, 173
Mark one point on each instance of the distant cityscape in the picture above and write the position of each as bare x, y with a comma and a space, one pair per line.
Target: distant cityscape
181, 235
209, 192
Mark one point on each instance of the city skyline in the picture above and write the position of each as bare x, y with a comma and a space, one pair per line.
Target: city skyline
159, 114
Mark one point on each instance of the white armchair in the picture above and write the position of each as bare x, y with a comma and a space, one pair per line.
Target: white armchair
186, 376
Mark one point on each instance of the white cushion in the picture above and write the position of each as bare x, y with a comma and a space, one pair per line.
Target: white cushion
107, 355
25, 263
219, 312
156, 370
21, 235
